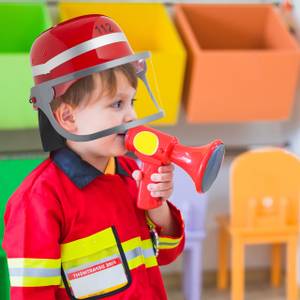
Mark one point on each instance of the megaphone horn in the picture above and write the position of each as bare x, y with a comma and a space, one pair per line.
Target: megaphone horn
201, 163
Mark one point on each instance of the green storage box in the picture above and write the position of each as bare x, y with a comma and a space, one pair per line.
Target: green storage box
20, 24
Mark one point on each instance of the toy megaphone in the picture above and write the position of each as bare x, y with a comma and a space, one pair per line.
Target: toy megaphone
155, 148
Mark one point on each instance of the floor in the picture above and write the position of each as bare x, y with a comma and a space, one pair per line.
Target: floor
252, 293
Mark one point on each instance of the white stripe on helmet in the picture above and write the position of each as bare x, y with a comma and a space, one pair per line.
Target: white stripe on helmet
79, 49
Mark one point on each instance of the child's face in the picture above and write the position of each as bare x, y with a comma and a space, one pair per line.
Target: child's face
104, 111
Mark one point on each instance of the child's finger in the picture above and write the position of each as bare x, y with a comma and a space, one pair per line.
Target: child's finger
163, 186
156, 177
166, 169
137, 176
162, 194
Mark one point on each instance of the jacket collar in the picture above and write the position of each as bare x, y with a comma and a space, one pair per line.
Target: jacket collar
80, 172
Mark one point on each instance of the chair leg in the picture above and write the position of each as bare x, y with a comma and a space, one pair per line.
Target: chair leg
237, 269
276, 265
192, 261
222, 276
291, 269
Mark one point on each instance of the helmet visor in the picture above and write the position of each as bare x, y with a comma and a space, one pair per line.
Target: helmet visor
105, 99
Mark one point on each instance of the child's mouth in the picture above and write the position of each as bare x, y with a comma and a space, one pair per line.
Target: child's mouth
122, 134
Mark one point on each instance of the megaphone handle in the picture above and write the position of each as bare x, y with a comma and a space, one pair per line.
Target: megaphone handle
145, 200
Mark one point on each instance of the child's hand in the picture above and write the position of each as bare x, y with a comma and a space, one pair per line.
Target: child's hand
163, 186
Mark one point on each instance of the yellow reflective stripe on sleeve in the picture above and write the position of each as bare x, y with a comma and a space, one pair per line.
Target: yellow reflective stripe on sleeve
34, 281
88, 245
163, 242
32, 272
33, 263
168, 243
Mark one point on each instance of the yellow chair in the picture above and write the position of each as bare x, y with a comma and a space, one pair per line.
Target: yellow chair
264, 208
147, 27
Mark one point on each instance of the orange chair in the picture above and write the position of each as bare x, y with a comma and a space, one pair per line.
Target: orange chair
264, 208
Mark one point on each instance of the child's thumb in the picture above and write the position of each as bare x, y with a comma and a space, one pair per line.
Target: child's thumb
137, 176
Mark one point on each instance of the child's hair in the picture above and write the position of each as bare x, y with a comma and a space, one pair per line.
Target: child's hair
77, 91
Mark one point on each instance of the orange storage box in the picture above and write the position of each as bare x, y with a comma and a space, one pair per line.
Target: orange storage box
242, 62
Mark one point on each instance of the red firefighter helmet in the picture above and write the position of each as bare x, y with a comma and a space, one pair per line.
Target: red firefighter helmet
62, 49
74, 49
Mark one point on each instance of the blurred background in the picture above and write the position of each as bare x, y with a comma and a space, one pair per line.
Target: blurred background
225, 70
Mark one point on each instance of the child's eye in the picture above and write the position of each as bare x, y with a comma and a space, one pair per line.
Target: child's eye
117, 104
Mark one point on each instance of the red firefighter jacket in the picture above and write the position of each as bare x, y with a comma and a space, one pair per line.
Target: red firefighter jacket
73, 232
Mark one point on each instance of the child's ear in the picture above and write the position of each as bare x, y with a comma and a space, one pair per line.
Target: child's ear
64, 115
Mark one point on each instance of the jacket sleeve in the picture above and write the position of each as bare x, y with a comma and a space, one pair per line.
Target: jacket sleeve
32, 232
169, 247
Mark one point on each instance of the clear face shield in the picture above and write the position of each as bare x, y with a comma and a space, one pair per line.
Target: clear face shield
141, 101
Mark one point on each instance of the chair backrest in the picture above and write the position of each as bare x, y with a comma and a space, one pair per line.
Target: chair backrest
265, 189
12, 172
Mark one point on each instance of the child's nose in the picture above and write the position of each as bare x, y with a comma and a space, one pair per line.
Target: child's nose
130, 116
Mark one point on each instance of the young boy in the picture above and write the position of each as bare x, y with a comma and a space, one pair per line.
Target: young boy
72, 229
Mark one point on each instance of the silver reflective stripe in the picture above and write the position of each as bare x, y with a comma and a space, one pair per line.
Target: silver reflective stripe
148, 252
79, 49
133, 253
139, 252
34, 272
